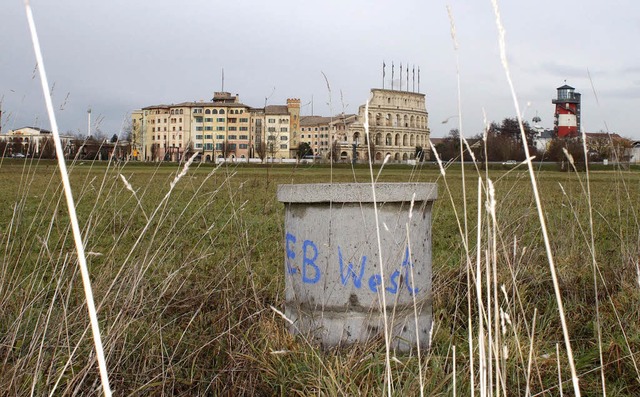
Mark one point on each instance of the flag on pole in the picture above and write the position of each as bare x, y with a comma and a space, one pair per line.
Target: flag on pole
413, 79
383, 73
392, 73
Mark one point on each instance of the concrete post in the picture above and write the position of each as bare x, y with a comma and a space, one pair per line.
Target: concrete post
334, 281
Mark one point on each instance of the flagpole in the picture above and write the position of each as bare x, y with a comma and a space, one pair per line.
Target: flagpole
400, 76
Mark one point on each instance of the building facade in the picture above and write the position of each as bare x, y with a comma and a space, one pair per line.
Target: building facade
398, 124
31, 140
226, 128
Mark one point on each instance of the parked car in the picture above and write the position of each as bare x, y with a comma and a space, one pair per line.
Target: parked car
509, 162
18, 155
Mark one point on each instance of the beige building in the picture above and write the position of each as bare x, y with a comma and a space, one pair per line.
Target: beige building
398, 123
314, 130
278, 124
227, 128
29, 140
223, 128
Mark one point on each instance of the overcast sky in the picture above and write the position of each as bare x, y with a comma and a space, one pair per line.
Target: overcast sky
119, 55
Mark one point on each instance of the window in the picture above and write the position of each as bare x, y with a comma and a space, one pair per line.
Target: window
244, 120
214, 111
271, 120
180, 119
198, 146
219, 146
284, 129
208, 137
208, 120
174, 128
283, 138
220, 137
153, 129
208, 146
232, 128
243, 146
221, 111
179, 137
199, 128
219, 128
283, 146
197, 111
232, 146
181, 113
220, 119
271, 129
199, 137
233, 120
233, 137
244, 128
208, 128
180, 128
198, 119
207, 111
244, 137
271, 138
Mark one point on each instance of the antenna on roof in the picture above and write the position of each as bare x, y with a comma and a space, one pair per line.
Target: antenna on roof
222, 80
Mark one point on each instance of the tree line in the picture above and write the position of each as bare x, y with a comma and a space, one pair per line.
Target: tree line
503, 142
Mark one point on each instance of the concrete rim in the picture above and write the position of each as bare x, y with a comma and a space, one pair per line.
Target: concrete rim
357, 192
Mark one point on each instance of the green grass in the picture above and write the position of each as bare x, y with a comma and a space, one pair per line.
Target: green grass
184, 298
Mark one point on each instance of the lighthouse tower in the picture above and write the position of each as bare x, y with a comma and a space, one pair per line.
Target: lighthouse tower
567, 113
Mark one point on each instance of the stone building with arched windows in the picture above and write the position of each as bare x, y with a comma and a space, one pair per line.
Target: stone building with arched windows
398, 124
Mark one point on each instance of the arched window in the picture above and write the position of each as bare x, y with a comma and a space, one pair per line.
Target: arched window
405, 140
405, 157
388, 140
356, 137
397, 156
221, 111
412, 140
207, 111
397, 140
413, 122
406, 120
214, 111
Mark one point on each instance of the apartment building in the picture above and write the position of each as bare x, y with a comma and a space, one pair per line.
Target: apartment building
314, 130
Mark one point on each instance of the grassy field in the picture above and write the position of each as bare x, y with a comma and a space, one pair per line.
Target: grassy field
184, 281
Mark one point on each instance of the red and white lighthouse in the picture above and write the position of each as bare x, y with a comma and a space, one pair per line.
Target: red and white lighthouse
567, 113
